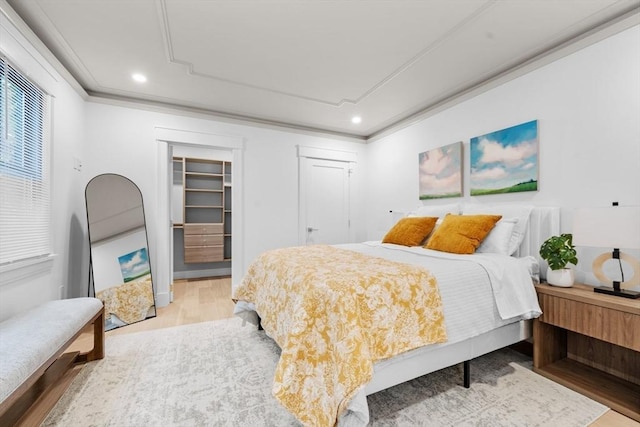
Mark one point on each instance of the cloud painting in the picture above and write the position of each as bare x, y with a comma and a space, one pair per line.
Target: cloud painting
505, 161
134, 265
440, 172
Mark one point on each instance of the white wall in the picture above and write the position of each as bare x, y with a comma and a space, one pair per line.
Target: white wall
587, 104
122, 140
588, 108
68, 274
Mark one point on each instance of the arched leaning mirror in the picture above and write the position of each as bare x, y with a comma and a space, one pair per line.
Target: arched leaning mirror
120, 267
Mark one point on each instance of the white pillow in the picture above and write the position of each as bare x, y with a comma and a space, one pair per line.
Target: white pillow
520, 212
497, 241
436, 210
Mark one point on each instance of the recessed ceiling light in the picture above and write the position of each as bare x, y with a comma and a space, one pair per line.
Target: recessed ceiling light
140, 78
356, 119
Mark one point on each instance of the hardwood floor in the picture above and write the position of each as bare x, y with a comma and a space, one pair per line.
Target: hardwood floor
205, 300
193, 301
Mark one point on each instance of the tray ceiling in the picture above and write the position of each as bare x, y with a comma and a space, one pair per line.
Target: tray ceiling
306, 64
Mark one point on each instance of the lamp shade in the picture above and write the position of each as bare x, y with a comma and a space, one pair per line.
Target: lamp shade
607, 227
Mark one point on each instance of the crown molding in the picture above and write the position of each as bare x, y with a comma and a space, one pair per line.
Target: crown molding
236, 119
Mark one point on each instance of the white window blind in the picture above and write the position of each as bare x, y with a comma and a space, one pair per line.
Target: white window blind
24, 168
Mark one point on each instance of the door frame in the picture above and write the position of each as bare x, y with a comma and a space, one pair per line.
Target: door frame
305, 153
166, 138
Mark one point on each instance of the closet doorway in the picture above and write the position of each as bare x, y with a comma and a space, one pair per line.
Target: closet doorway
169, 140
201, 212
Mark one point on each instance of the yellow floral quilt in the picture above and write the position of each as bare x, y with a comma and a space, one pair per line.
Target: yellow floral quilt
334, 313
129, 301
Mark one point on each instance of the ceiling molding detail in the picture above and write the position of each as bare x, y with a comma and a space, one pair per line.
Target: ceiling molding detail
200, 113
310, 66
191, 67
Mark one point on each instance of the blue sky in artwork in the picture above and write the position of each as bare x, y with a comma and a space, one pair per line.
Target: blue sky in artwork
506, 157
134, 264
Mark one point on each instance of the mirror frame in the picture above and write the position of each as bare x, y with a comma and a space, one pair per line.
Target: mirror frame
91, 283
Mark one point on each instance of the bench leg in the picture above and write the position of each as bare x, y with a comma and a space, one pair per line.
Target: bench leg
97, 352
98, 337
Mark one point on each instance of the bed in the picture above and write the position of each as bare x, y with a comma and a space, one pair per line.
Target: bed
480, 314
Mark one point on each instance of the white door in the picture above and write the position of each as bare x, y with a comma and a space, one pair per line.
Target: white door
324, 201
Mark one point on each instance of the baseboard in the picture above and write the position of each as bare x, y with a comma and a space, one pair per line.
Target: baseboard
163, 299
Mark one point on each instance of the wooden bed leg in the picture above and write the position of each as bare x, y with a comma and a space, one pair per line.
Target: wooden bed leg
467, 374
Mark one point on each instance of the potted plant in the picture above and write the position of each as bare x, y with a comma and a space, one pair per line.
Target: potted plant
559, 251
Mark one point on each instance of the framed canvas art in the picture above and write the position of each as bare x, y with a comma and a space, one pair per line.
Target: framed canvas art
440, 172
505, 161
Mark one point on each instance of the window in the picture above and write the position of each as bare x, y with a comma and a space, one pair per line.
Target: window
24, 168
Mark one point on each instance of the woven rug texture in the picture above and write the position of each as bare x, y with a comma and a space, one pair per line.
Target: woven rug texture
220, 373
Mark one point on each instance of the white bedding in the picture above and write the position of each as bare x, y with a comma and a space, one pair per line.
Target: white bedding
480, 292
510, 277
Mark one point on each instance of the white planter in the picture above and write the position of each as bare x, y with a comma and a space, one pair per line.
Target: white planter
563, 277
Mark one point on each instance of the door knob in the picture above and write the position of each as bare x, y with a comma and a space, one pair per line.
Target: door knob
310, 229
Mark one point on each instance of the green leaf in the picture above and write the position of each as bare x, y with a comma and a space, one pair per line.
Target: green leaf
559, 251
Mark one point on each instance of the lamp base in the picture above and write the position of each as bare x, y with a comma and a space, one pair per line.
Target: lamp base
625, 293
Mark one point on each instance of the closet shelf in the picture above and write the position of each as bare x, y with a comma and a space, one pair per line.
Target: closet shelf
204, 174
206, 209
204, 190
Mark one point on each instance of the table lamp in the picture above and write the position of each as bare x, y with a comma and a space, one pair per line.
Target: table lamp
610, 227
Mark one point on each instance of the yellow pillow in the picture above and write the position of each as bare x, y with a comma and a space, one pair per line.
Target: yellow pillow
410, 231
461, 234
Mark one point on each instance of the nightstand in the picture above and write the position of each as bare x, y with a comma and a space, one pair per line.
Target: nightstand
590, 342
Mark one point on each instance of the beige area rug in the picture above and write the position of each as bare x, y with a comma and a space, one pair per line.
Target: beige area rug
219, 374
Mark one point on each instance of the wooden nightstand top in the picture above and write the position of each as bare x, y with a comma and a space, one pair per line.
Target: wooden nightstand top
585, 294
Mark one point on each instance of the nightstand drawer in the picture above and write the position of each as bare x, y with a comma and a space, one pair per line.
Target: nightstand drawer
606, 324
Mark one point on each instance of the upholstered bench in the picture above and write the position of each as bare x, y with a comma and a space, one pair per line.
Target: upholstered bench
32, 346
